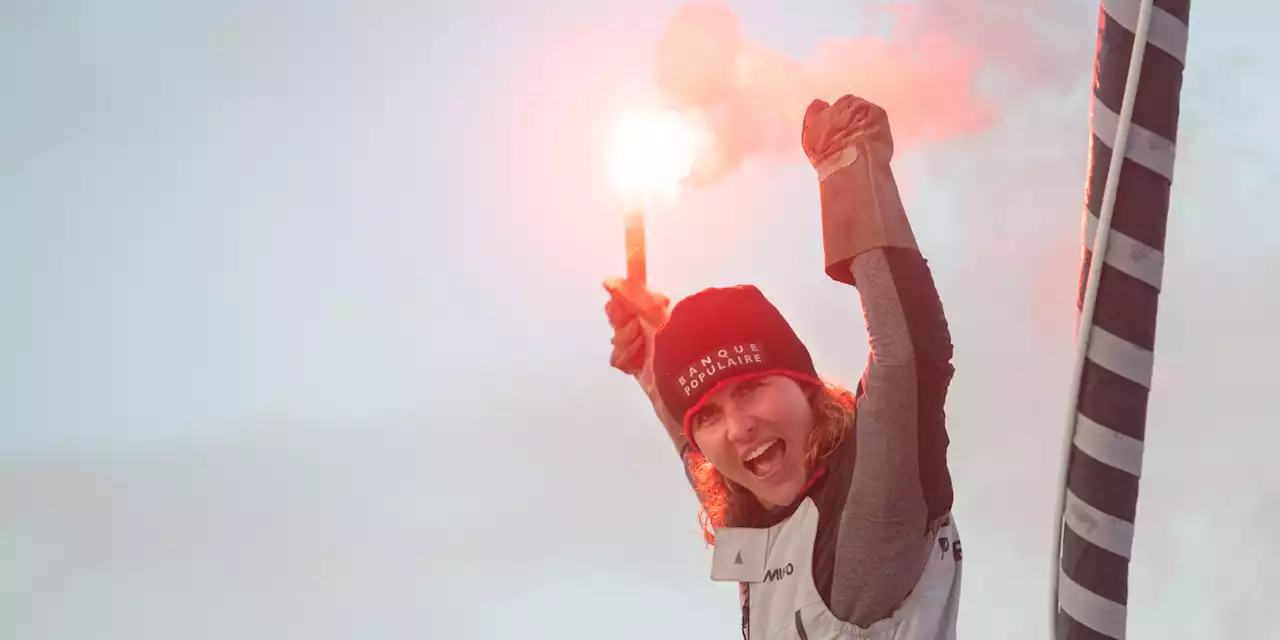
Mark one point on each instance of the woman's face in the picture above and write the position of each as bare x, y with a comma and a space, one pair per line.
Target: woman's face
755, 432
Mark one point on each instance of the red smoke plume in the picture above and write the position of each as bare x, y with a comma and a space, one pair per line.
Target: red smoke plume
751, 98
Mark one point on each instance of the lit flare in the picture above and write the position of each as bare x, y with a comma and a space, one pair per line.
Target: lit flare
653, 151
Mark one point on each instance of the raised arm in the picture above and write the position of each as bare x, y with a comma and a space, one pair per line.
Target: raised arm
899, 481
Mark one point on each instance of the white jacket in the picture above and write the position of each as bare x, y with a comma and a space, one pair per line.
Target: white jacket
782, 602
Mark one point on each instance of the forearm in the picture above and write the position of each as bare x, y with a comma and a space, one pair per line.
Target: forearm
868, 241
861, 207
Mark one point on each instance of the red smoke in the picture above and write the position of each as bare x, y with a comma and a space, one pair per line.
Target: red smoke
752, 98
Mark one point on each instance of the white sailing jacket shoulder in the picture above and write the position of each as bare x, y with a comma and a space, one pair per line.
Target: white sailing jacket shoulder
781, 599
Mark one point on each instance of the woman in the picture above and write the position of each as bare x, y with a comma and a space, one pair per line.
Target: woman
830, 508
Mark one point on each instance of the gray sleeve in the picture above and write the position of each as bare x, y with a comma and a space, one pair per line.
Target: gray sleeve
880, 548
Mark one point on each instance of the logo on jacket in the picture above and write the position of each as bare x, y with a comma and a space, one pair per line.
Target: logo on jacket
779, 573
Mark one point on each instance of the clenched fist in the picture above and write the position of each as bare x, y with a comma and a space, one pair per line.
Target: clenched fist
831, 133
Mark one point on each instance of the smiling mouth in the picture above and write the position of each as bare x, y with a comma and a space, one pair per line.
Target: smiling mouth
766, 459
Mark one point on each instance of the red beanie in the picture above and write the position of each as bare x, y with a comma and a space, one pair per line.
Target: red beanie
722, 335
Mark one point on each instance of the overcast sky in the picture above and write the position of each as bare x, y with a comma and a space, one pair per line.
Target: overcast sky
302, 329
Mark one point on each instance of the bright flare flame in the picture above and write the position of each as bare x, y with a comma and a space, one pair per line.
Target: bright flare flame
653, 151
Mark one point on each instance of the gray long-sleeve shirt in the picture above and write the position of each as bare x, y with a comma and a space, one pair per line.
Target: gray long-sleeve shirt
892, 482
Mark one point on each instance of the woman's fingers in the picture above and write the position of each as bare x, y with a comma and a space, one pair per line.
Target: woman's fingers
628, 356
629, 332
633, 312
813, 127
618, 313
661, 303
649, 305
628, 337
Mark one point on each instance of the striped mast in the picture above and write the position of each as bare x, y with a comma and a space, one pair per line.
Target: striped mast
1107, 421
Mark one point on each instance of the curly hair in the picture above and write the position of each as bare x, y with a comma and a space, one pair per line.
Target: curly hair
724, 503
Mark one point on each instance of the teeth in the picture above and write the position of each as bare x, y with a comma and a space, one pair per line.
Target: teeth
759, 450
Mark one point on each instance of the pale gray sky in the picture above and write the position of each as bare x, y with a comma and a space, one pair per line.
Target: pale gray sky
302, 324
